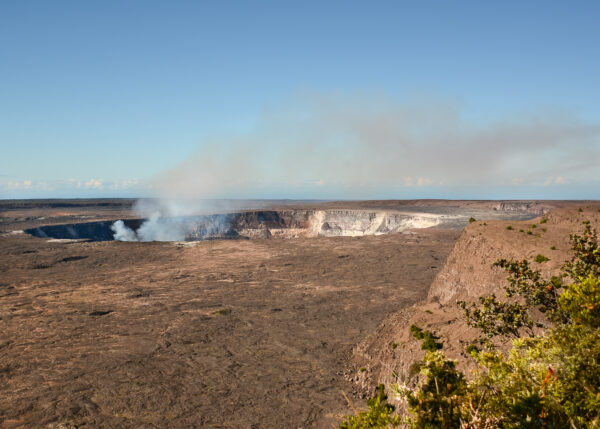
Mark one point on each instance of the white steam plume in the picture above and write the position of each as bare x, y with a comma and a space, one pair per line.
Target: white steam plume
170, 220
123, 232
158, 228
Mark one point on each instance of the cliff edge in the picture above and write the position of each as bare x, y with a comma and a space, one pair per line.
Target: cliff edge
386, 356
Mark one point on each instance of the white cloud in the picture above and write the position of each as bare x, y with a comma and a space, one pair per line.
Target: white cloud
94, 184
124, 184
18, 184
558, 180
419, 181
130, 183
45, 186
424, 181
28, 185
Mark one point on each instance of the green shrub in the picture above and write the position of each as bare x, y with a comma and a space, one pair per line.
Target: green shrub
485, 316
436, 403
509, 228
472, 219
586, 255
552, 247
544, 220
414, 369
520, 230
527, 283
582, 301
428, 338
379, 414
540, 258
472, 349
533, 225
529, 233
548, 381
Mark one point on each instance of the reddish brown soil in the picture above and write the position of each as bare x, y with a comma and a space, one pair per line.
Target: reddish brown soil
213, 334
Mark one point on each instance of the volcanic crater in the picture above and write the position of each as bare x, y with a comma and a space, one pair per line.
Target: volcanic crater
254, 332
257, 224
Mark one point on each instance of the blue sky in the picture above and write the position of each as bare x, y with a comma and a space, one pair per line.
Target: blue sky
132, 98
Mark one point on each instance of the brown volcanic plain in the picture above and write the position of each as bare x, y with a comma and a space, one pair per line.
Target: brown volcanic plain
231, 333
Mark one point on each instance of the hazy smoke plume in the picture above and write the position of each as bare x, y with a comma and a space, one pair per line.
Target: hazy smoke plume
331, 147
335, 147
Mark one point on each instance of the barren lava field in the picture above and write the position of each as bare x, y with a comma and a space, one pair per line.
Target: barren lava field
232, 333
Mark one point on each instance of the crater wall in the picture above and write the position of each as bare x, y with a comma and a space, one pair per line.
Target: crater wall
286, 223
255, 224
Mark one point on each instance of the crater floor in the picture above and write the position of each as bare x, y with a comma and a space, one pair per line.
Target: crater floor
250, 333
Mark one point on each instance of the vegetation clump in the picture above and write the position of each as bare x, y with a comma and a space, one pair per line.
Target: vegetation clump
472, 219
510, 228
549, 378
541, 258
428, 338
472, 349
379, 414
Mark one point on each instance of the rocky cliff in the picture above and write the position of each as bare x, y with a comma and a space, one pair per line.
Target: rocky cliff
389, 352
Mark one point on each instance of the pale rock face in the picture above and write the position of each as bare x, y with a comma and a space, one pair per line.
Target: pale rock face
338, 223
358, 223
